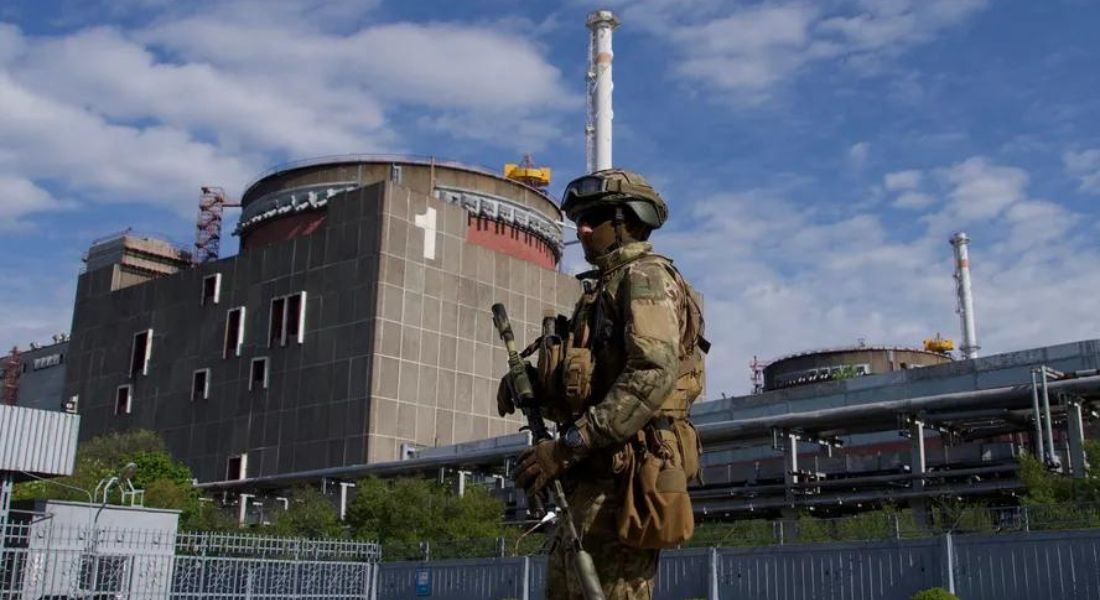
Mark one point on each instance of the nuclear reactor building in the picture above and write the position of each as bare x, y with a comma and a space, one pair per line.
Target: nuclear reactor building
352, 327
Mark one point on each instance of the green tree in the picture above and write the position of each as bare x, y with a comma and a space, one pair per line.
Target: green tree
934, 594
309, 514
406, 511
166, 481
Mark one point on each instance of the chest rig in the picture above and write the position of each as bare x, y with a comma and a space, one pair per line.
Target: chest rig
595, 352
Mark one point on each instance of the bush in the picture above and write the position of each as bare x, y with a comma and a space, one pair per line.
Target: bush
934, 594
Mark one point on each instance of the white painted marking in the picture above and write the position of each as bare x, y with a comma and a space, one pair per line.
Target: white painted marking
426, 222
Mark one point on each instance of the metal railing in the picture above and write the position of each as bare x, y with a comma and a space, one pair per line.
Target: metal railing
43, 559
413, 159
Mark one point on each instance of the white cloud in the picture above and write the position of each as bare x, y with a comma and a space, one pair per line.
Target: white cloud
1085, 166
21, 198
47, 139
858, 154
980, 191
780, 276
208, 93
902, 180
913, 200
749, 49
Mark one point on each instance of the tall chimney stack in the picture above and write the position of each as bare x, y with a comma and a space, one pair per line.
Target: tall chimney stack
597, 129
965, 309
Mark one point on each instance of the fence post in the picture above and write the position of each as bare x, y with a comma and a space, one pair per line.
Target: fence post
712, 559
897, 526
949, 561
525, 590
502, 547
375, 577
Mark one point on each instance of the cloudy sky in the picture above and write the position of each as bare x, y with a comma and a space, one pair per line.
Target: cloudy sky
817, 155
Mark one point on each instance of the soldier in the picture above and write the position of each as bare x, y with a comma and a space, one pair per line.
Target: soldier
620, 392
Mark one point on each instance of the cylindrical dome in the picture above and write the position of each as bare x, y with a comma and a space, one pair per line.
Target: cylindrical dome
844, 363
504, 215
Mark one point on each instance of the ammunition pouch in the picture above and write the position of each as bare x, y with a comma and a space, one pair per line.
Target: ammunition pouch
577, 369
656, 509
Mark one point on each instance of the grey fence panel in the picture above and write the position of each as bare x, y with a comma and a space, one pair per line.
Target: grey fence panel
536, 577
1063, 565
853, 571
683, 574
454, 579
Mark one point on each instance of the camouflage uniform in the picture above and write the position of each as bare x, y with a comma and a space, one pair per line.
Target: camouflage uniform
637, 317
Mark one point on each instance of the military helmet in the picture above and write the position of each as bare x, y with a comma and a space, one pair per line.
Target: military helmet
614, 187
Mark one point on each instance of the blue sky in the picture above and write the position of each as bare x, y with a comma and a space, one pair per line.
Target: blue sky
816, 155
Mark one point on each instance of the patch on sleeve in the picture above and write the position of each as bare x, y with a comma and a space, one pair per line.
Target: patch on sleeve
656, 320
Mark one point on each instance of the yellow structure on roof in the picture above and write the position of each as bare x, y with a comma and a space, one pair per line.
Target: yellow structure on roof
528, 173
939, 344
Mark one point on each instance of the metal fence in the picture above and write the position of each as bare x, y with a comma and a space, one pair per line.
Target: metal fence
44, 561
1061, 565
41, 560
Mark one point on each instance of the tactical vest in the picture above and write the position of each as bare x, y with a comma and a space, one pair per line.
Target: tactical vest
596, 329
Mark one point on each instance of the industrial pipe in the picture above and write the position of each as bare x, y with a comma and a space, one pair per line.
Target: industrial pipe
601, 24
1052, 456
1040, 452
970, 345
875, 416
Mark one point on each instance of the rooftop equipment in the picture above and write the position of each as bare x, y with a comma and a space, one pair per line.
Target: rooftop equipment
939, 344
526, 172
208, 228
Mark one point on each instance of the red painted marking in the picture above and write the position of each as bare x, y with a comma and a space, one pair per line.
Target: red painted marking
283, 229
506, 239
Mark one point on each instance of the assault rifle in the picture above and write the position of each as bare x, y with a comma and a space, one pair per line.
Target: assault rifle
523, 397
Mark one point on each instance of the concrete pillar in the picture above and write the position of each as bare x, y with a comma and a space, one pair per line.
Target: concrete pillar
242, 508
344, 485
1076, 429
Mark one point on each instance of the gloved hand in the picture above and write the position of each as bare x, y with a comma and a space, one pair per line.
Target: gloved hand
541, 464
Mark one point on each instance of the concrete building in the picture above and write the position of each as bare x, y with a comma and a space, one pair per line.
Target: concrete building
353, 325
39, 375
845, 363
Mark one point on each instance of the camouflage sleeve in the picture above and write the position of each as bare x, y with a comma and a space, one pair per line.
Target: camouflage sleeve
650, 301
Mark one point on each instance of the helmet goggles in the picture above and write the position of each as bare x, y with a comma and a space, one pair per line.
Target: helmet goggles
592, 186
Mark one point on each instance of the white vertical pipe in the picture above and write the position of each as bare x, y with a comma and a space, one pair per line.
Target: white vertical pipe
966, 299
601, 24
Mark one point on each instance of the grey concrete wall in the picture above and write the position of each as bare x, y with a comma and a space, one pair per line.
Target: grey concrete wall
314, 413
43, 386
399, 347
437, 357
